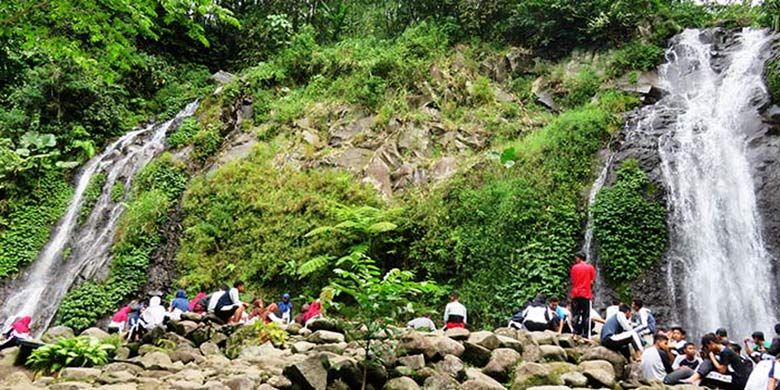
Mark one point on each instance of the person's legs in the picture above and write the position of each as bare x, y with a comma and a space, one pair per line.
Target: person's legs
237, 316
676, 376
8, 343
621, 342
535, 326
580, 315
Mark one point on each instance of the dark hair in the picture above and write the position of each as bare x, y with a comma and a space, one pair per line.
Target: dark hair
581, 256
687, 344
455, 295
709, 338
238, 283
721, 332
659, 337
777, 328
617, 302
554, 299
624, 308
735, 347
638, 303
680, 329
758, 335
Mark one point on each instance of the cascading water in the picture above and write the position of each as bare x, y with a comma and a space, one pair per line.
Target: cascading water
715, 230
38, 291
587, 247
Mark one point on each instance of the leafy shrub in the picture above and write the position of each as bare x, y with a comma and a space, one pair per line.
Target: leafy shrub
257, 333
91, 195
164, 174
117, 191
630, 225
30, 217
772, 78
207, 142
581, 87
71, 352
635, 56
184, 134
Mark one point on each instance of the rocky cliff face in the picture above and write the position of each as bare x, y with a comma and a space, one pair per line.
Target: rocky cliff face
660, 286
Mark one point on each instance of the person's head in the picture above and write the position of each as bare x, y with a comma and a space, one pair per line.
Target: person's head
554, 301
723, 335
711, 342
286, 297
454, 296
637, 304
689, 350
626, 310
180, 293
154, 301
661, 341
239, 285
678, 333
579, 257
734, 347
258, 303
777, 329
616, 302
758, 337
305, 307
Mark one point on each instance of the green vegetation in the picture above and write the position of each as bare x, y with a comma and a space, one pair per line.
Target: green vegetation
80, 351
630, 226
257, 333
156, 188
183, 135
772, 75
91, 195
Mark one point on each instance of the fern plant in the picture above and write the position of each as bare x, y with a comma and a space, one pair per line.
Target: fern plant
81, 351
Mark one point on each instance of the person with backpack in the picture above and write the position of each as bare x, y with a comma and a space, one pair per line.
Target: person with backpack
618, 335
229, 307
537, 317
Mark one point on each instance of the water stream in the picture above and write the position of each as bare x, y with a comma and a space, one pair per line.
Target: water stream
39, 290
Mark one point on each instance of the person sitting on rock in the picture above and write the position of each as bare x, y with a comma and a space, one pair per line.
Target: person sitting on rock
563, 316
723, 336
612, 309
314, 313
774, 346
423, 323
299, 319
195, 303
134, 329
723, 367
684, 365
285, 307
618, 335
119, 320
455, 315
154, 315
656, 360
758, 343
537, 317
644, 322
229, 307
18, 331
180, 304
516, 322
677, 340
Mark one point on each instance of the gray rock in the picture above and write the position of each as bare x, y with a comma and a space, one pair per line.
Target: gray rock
335, 347
15, 379
183, 328
280, 382
186, 355
9, 356
96, 333
549, 388
480, 381
57, 332
459, 334
112, 377
446, 346
70, 386
510, 342
528, 374
599, 372
485, 339
441, 382
452, 366
214, 385
544, 338
156, 361
617, 360
209, 348
402, 383
119, 386
553, 353
221, 77
415, 362
184, 385
325, 337
191, 316
502, 360
114, 367
566, 340
308, 374
239, 382
293, 328
302, 347
325, 323
475, 355
574, 379
444, 168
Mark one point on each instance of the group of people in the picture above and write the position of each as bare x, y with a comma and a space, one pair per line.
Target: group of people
222, 306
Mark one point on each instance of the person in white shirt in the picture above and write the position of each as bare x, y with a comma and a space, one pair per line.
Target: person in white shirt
677, 340
229, 307
684, 365
655, 364
537, 317
421, 323
455, 313
613, 309
154, 315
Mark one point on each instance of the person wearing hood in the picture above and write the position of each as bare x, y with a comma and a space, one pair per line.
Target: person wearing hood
179, 305
119, 320
538, 317
286, 308
196, 305
19, 330
154, 315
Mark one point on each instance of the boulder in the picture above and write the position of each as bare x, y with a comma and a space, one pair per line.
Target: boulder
191, 316
219, 339
221, 77
325, 323
617, 360
97, 333
567, 340
528, 374
122, 353
16, 379
600, 373
82, 374
342, 368
502, 360
510, 342
459, 334
182, 328
506, 332
446, 346
156, 361
480, 381
415, 362
57, 332
415, 342
302, 347
209, 348
325, 337
485, 339
309, 374
115, 367
441, 382
452, 366
544, 338
475, 354
335, 347
280, 382
293, 328
186, 355
8, 356
553, 353
239, 382
549, 388
574, 379
70, 386
402, 383
184, 385
113, 377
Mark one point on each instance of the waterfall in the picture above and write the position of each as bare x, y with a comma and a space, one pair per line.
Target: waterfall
715, 228
599, 288
39, 290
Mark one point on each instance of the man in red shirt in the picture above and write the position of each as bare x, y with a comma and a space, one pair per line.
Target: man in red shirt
582, 277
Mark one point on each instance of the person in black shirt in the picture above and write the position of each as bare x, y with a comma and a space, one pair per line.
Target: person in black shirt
774, 348
723, 368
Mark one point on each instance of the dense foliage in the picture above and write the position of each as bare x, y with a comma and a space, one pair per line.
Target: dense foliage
82, 351
154, 191
629, 226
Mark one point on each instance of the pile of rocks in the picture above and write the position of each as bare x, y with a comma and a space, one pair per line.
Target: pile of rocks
191, 354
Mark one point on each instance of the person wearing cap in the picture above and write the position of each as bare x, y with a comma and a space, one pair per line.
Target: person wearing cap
286, 308
582, 277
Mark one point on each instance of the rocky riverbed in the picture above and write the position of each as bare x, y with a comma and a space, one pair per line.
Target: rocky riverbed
195, 355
